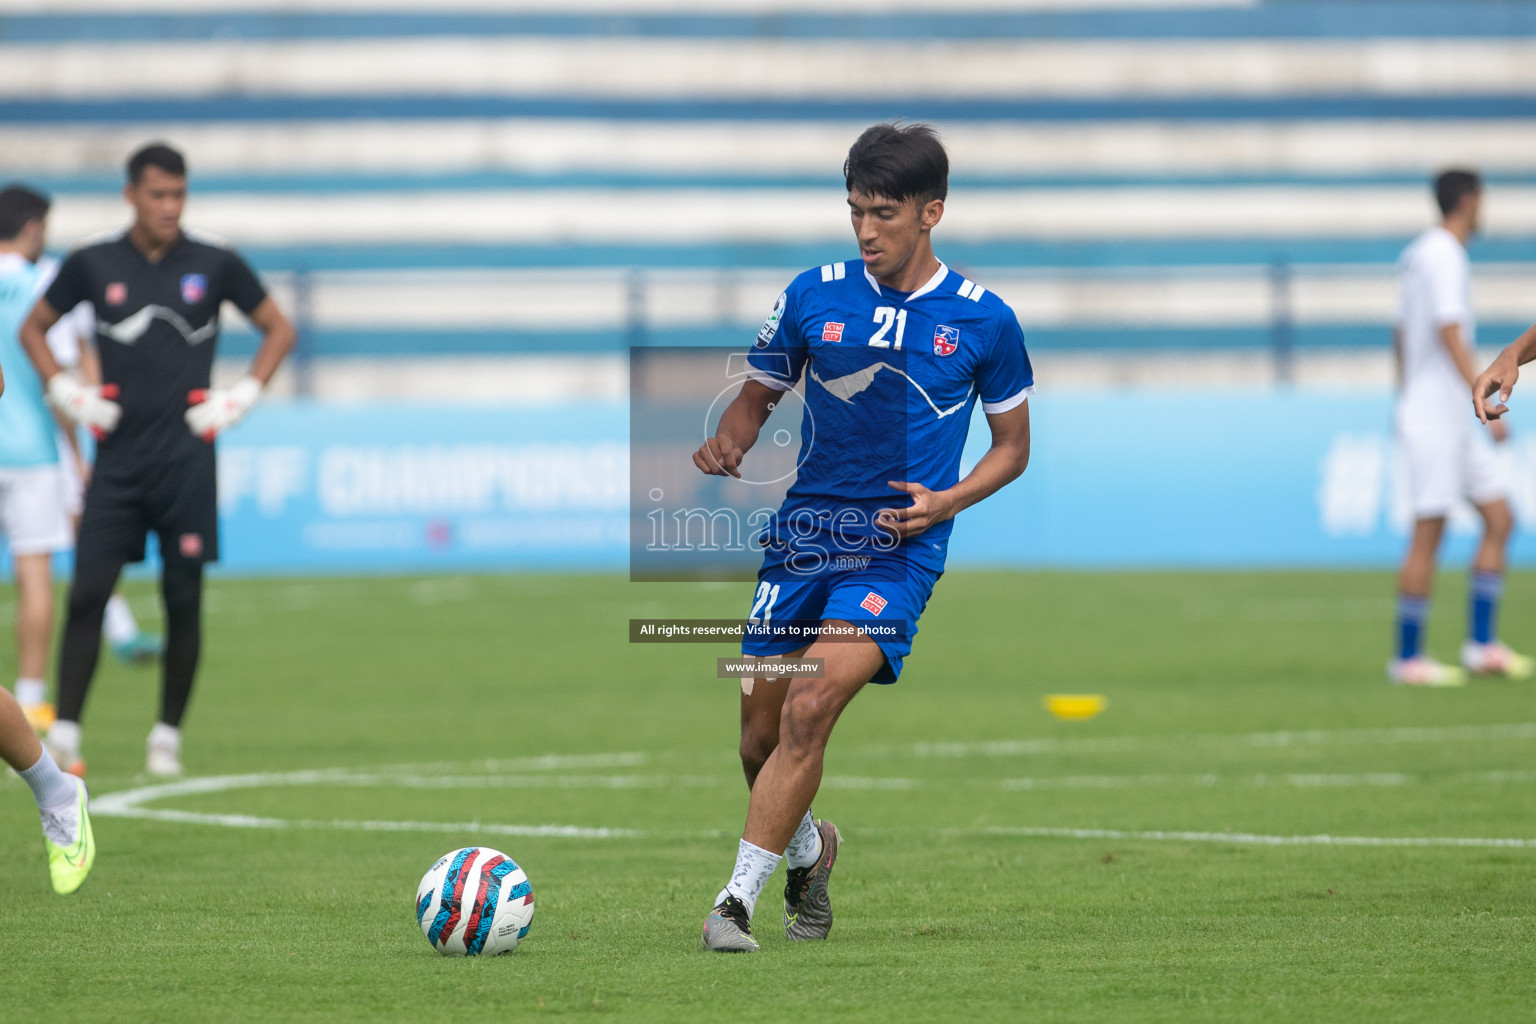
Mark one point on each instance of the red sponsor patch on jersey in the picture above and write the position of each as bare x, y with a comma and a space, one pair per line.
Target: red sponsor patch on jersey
874, 603
117, 293
191, 545
832, 331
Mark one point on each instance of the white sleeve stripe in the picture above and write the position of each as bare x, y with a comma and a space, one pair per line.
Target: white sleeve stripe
839, 271
978, 293
993, 408
965, 289
777, 383
826, 273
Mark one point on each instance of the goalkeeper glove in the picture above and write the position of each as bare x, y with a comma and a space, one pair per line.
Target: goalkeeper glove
89, 405
215, 411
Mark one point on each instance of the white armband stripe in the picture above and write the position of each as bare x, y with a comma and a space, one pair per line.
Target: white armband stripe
763, 377
993, 408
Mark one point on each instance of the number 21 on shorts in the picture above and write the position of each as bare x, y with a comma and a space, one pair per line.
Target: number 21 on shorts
762, 607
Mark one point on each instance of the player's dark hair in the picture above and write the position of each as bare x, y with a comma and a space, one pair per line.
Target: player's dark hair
900, 162
18, 205
156, 154
1451, 185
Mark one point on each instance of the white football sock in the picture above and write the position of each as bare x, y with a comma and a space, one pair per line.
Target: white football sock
64, 737
754, 865
163, 735
61, 824
30, 691
119, 625
51, 788
804, 847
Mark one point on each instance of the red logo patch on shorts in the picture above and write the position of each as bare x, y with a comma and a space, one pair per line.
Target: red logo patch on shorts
874, 603
191, 545
831, 331
117, 293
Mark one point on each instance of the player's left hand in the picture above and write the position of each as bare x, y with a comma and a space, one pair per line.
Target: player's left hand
928, 508
215, 411
1500, 376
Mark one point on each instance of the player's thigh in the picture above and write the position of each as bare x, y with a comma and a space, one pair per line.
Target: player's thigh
1498, 520
113, 525
884, 612
1427, 532
32, 512
762, 701
813, 704
184, 510
781, 619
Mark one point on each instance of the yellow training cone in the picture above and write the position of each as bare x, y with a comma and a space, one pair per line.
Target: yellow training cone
1075, 707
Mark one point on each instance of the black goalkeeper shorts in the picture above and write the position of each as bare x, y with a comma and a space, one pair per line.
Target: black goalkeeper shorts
178, 501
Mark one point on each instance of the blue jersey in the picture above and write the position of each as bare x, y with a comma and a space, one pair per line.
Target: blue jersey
891, 381
27, 428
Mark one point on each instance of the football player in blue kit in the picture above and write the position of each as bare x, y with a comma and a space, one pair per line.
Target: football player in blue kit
893, 350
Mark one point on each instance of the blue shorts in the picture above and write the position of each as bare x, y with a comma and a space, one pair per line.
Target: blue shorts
884, 599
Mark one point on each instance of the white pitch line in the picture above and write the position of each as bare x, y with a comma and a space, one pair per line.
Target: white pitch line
1247, 838
1286, 738
130, 803
250, 821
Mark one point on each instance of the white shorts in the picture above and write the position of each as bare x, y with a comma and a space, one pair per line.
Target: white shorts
33, 516
1449, 459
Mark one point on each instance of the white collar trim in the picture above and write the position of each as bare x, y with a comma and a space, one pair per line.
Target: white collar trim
933, 282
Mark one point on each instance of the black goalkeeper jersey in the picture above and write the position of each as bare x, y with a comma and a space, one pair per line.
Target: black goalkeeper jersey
157, 325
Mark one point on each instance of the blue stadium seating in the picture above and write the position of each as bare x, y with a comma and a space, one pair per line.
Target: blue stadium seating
675, 161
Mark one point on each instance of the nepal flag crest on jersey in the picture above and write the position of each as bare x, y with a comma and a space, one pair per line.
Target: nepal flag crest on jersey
193, 288
946, 340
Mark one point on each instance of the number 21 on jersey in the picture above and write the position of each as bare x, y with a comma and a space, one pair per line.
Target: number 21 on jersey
888, 317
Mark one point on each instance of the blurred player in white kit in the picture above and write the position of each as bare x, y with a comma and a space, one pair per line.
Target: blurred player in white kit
1450, 455
41, 502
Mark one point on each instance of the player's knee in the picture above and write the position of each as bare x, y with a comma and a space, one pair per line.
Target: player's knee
89, 596
806, 720
756, 745
1498, 522
182, 587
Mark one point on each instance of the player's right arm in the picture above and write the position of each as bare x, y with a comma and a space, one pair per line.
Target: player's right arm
34, 339
1451, 340
774, 364
737, 431
85, 404
1502, 374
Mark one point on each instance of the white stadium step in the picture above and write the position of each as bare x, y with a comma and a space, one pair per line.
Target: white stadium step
692, 215
1142, 297
659, 68
532, 380
559, 145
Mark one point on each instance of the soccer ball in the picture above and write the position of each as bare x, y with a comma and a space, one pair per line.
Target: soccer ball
474, 902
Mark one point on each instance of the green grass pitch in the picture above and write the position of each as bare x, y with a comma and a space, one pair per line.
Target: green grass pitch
1239, 703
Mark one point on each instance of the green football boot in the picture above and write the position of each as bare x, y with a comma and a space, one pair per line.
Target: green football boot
71, 847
